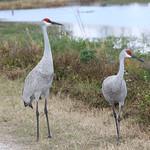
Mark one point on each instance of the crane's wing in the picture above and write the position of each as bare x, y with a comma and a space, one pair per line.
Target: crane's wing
36, 82
112, 91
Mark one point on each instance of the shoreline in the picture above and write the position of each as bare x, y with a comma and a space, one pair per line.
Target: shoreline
7, 5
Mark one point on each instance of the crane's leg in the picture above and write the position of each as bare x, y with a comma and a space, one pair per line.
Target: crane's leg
119, 115
37, 118
116, 121
46, 114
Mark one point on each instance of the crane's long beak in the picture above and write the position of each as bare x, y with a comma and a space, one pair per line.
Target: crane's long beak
139, 59
56, 23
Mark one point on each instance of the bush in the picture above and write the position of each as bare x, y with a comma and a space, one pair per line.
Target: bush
86, 55
144, 110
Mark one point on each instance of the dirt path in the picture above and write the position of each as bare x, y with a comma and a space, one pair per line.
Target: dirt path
8, 143
73, 125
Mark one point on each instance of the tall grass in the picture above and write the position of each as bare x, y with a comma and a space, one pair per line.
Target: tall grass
79, 70
20, 4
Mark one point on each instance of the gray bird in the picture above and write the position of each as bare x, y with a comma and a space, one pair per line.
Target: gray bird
114, 88
39, 80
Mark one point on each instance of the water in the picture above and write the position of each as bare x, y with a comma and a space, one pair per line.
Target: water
93, 21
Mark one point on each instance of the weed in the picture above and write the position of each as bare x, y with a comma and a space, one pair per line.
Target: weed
144, 111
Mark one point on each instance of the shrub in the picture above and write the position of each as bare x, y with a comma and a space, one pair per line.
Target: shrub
86, 55
144, 110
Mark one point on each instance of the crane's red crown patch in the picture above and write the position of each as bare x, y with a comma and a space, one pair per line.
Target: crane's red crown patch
47, 20
129, 52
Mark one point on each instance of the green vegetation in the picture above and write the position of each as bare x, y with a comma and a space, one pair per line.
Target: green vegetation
80, 66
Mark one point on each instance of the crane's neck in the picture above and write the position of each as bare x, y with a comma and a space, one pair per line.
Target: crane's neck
47, 47
120, 73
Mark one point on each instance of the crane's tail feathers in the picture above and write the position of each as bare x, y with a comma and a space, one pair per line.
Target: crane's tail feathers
30, 105
25, 104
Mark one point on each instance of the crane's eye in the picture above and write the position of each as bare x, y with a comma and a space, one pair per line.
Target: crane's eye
129, 52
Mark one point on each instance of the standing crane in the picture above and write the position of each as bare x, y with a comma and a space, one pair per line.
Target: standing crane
114, 88
39, 80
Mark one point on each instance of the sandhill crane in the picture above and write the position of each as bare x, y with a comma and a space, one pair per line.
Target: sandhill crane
114, 88
39, 80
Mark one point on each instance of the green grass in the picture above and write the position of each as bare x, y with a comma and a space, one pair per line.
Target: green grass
80, 65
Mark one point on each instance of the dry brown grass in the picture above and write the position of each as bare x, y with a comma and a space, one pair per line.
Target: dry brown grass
74, 125
19, 4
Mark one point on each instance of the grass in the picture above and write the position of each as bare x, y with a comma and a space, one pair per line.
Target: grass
20, 4
73, 124
122, 2
80, 67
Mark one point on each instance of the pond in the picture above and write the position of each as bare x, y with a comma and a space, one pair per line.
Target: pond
93, 21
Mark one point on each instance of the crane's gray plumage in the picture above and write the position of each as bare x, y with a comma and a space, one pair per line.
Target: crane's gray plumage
114, 88
39, 80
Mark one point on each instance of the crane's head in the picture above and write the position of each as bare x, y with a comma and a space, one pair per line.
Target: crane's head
128, 54
48, 22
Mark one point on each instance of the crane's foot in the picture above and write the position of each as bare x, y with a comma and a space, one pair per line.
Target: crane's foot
49, 136
118, 142
37, 139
